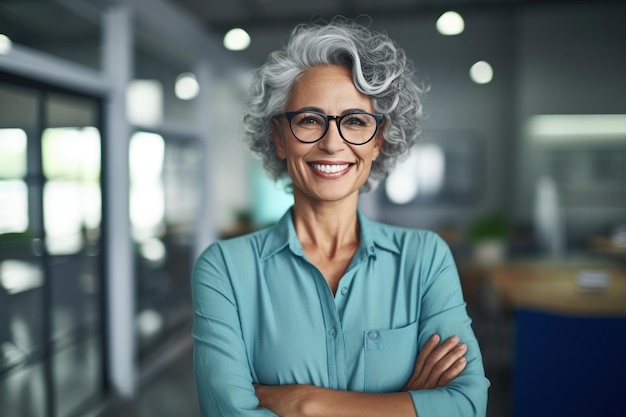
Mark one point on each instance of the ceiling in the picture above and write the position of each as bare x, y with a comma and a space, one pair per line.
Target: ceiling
270, 21
220, 15
54, 25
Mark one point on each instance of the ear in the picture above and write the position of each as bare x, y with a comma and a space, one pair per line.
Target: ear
278, 138
378, 144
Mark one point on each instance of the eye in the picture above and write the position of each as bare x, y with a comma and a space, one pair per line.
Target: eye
309, 119
357, 120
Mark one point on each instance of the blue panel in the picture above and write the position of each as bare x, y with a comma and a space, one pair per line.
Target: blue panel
569, 366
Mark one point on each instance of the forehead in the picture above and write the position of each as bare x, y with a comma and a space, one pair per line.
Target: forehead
327, 87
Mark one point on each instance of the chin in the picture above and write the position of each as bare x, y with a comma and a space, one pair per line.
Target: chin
335, 196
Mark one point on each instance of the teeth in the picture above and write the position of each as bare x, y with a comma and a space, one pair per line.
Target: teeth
329, 169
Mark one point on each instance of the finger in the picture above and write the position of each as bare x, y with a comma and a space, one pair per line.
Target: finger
436, 355
444, 364
430, 345
452, 372
431, 364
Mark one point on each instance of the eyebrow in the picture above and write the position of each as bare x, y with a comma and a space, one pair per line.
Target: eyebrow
317, 109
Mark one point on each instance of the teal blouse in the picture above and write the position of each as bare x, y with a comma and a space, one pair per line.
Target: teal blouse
265, 314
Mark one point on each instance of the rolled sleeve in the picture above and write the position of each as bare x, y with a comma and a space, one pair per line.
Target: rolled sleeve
222, 373
462, 400
444, 312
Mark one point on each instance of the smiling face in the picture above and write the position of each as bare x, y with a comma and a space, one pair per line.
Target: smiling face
331, 169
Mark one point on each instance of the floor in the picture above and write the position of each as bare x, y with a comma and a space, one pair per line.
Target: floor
169, 393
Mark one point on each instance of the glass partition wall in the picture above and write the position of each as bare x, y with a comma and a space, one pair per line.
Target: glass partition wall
51, 278
164, 203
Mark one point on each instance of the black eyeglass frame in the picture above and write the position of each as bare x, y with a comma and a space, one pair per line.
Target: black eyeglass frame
291, 114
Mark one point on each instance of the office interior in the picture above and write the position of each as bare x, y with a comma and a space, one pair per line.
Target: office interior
111, 184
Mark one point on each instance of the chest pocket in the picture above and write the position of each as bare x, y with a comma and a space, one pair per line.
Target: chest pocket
389, 358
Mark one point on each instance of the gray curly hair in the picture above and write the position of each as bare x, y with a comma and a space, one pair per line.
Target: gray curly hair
380, 70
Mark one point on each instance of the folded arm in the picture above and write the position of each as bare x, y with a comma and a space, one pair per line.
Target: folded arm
436, 365
447, 380
224, 376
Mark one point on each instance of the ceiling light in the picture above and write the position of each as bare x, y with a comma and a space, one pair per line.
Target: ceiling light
584, 126
5, 44
144, 102
450, 23
236, 39
186, 87
481, 72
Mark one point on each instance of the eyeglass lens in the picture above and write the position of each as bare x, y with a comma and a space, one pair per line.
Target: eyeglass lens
355, 128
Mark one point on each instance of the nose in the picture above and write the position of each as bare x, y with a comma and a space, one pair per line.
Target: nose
332, 142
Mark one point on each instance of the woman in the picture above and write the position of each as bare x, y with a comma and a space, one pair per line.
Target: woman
325, 312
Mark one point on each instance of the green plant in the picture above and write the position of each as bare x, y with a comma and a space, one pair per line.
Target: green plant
491, 226
15, 240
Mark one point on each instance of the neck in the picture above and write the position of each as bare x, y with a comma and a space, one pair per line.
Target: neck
327, 226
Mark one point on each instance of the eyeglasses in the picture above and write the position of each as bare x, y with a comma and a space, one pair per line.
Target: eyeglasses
356, 128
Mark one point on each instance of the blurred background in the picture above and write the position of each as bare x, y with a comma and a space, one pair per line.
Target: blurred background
121, 159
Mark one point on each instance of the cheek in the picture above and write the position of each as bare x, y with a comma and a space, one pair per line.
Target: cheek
294, 151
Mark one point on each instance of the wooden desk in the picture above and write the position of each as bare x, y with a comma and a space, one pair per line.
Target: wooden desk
568, 342
552, 287
606, 246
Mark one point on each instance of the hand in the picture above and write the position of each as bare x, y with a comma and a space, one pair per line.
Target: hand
437, 365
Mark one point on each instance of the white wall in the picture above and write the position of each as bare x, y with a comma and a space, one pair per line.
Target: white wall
572, 61
559, 59
456, 103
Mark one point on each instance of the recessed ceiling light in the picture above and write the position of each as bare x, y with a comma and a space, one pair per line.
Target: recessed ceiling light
450, 23
481, 72
186, 87
236, 39
5, 44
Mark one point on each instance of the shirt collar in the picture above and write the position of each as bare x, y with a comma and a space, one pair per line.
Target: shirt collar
283, 234
375, 235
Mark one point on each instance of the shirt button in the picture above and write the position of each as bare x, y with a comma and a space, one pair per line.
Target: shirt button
344, 291
333, 332
372, 334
